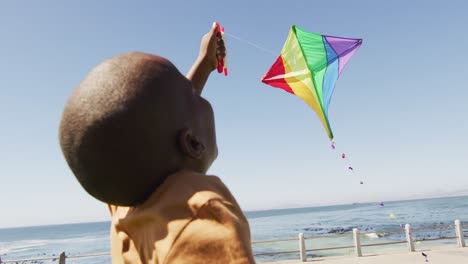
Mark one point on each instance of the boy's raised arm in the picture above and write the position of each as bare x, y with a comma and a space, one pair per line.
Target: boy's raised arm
211, 48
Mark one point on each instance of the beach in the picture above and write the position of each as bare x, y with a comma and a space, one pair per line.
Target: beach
445, 256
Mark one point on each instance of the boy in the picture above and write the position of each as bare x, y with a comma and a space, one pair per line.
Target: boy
138, 136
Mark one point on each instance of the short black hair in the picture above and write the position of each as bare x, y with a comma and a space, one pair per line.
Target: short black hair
117, 130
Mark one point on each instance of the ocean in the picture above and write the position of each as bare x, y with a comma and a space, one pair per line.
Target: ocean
322, 224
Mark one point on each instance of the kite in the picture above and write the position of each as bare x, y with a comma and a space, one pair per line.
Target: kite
308, 67
343, 156
350, 168
381, 204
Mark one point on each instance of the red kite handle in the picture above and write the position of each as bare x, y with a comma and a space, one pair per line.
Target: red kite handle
222, 67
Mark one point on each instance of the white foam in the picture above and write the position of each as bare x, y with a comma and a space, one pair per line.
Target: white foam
25, 245
375, 235
20, 246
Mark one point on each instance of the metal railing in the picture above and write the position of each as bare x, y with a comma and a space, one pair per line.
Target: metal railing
409, 234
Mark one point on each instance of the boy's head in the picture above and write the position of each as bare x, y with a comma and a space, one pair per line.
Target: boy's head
133, 121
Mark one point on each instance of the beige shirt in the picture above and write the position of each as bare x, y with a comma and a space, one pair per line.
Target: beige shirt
190, 218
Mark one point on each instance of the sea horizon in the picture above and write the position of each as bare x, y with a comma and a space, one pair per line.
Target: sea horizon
272, 209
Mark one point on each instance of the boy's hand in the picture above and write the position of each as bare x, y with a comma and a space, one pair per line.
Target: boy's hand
211, 48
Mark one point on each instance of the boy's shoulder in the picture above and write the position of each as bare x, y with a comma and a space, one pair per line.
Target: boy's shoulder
192, 189
175, 219
185, 190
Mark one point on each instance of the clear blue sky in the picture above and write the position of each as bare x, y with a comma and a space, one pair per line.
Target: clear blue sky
399, 109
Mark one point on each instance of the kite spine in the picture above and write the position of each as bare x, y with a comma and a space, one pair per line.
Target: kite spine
320, 98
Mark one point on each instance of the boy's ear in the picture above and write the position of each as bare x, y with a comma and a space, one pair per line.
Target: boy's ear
190, 144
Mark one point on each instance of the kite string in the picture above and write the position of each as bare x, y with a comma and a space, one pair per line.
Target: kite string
251, 43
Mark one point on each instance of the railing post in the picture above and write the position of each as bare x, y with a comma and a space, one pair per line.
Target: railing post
62, 258
302, 249
357, 242
409, 238
459, 232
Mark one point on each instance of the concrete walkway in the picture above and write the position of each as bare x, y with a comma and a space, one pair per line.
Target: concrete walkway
442, 256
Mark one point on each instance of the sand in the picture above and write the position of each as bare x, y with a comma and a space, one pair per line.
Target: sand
443, 256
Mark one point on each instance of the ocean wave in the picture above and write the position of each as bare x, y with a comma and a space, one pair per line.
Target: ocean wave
20, 246
375, 235
26, 245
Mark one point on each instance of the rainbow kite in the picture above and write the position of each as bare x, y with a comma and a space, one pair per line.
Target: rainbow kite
309, 65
